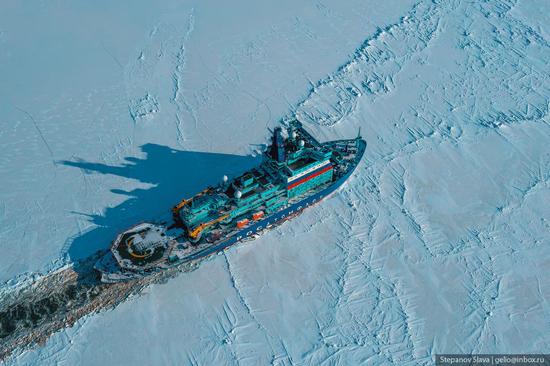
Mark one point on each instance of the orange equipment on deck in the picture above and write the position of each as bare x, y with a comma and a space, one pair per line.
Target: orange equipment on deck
184, 202
196, 233
257, 215
242, 223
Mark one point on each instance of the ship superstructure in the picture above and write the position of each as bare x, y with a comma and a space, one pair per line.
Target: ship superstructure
296, 172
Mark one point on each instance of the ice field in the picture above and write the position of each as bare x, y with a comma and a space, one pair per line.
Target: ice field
439, 243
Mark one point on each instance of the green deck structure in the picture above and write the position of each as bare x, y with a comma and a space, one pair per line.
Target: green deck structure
290, 168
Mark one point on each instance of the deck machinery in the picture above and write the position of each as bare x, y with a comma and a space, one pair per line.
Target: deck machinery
296, 172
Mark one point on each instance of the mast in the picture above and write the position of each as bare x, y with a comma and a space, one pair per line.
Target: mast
278, 145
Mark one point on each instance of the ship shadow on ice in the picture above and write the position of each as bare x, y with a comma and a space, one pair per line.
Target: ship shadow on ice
173, 175
168, 175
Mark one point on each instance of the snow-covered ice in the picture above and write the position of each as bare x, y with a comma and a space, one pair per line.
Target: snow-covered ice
113, 111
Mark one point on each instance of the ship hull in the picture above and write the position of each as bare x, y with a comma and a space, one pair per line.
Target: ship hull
110, 272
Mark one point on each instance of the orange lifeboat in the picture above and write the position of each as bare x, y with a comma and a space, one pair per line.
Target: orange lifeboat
258, 215
242, 223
